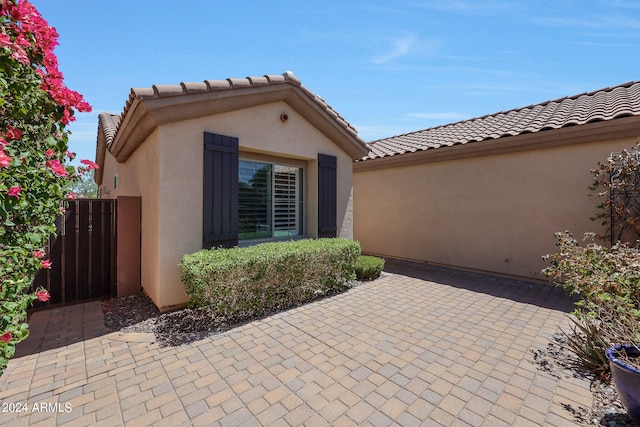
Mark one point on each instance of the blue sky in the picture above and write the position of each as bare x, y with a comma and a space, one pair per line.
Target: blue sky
389, 67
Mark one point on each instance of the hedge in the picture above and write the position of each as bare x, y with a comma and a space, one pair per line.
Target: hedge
249, 282
368, 267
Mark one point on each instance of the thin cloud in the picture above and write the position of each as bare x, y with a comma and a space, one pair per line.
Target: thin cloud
401, 47
612, 22
465, 7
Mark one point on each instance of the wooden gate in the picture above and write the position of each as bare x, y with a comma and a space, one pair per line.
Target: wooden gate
83, 254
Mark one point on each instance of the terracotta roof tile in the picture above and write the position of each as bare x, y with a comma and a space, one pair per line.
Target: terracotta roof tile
194, 87
604, 104
185, 88
109, 123
168, 90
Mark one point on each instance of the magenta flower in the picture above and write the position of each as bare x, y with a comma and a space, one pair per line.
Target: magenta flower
45, 263
43, 296
5, 160
6, 337
90, 164
71, 196
50, 152
15, 192
38, 254
57, 167
13, 133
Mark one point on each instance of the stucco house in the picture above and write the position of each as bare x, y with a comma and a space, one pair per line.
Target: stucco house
223, 163
489, 193
244, 160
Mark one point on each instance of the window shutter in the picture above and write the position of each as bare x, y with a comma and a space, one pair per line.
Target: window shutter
220, 195
327, 195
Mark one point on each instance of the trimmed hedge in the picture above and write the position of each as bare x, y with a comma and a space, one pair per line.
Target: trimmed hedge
249, 282
368, 267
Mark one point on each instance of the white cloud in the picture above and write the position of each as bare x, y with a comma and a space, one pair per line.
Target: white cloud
401, 47
465, 7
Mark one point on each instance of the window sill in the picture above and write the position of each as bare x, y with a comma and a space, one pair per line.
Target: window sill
251, 242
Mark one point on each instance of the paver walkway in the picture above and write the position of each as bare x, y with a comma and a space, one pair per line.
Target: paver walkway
422, 345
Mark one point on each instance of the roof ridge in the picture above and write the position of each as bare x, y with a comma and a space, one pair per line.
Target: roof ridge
230, 83
530, 106
571, 110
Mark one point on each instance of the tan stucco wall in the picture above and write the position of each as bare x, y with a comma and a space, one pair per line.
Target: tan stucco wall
137, 177
173, 211
495, 213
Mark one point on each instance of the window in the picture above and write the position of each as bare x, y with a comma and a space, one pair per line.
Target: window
272, 196
269, 200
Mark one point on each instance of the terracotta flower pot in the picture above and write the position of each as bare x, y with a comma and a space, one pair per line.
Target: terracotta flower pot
626, 379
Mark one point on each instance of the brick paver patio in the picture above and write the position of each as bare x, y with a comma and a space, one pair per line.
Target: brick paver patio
422, 345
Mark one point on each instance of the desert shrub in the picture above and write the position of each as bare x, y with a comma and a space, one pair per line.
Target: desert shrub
368, 267
607, 283
616, 186
242, 283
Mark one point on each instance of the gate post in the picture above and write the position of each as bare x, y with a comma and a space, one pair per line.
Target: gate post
128, 252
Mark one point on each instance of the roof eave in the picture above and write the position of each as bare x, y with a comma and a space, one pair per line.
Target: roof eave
624, 127
100, 155
144, 115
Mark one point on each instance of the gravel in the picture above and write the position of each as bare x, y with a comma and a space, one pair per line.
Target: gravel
607, 410
137, 313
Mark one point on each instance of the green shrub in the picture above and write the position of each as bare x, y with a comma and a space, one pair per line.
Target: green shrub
243, 283
368, 267
607, 283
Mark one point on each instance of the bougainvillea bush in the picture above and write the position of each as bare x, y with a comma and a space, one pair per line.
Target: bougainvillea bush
35, 179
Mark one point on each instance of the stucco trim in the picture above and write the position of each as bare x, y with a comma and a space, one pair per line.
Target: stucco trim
596, 131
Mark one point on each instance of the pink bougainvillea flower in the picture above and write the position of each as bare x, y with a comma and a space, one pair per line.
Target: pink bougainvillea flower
90, 164
57, 167
6, 337
5, 160
71, 196
45, 263
2, 141
70, 154
20, 55
15, 192
43, 296
38, 254
13, 133
50, 152
5, 40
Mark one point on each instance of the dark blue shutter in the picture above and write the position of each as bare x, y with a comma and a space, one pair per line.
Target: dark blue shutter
220, 195
327, 195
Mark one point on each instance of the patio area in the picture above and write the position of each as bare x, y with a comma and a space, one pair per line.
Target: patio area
422, 345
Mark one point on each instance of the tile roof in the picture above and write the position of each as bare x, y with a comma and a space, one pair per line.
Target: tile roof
605, 104
109, 123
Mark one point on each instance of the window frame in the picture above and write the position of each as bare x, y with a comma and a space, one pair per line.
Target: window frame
302, 195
